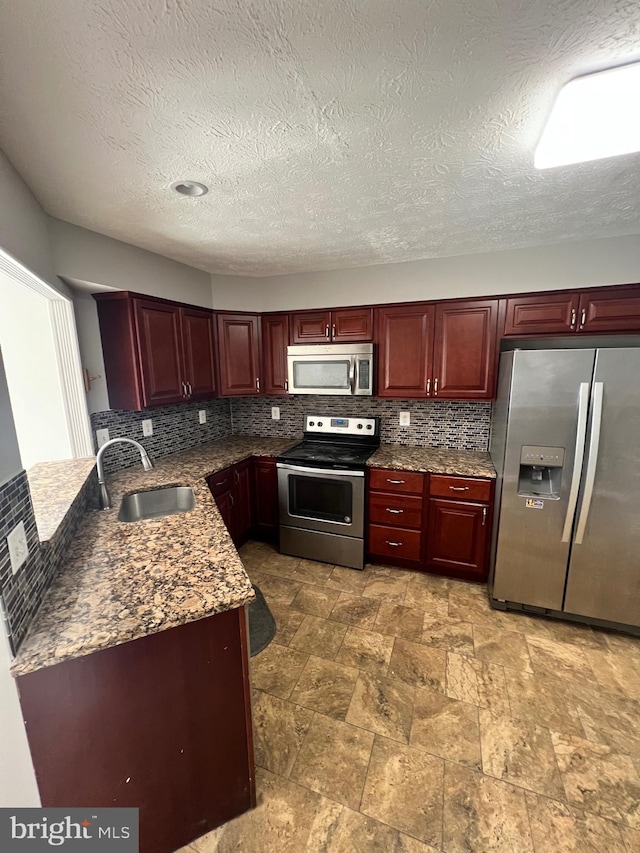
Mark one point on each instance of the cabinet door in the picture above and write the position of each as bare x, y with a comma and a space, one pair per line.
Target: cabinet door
457, 536
275, 339
159, 344
405, 350
242, 515
239, 355
265, 490
546, 314
310, 327
465, 350
610, 310
352, 325
198, 349
224, 502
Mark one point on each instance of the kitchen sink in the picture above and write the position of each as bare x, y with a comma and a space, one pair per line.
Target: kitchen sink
156, 503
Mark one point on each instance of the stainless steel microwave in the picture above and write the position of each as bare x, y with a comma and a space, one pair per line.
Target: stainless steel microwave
345, 369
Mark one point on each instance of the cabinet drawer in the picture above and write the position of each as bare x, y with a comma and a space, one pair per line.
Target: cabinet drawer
394, 542
221, 482
461, 488
396, 481
390, 509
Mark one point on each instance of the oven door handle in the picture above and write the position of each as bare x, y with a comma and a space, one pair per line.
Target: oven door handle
299, 469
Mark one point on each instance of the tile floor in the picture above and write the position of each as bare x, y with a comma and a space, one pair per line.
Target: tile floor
397, 712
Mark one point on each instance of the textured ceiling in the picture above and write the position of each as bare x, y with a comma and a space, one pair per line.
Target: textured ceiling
331, 134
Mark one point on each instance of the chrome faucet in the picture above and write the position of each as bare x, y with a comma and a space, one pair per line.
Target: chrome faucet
147, 464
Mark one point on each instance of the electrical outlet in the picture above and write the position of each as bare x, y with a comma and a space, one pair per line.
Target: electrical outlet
202, 416
147, 427
275, 413
405, 418
18, 548
102, 436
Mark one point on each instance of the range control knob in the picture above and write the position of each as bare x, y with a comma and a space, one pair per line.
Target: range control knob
312, 423
359, 426
319, 423
369, 426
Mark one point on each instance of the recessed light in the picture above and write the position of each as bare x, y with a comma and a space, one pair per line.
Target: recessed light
594, 116
190, 188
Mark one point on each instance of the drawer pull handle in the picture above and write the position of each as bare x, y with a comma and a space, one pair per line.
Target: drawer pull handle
396, 482
395, 511
459, 488
394, 544
484, 516
221, 483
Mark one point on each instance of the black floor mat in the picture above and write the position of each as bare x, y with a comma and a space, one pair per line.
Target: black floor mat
262, 625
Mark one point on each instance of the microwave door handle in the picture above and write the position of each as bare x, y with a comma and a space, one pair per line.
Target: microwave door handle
352, 375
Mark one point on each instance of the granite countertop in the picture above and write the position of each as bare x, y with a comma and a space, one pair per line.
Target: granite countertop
433, 460
123, 581
54, 486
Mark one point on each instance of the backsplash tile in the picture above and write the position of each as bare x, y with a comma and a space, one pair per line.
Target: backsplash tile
174, 428
434, 423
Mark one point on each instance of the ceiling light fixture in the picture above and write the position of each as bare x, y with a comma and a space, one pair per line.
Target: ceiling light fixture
593, 117
190, 188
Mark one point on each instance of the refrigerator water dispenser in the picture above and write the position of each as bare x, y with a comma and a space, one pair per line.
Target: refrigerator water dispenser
540, 472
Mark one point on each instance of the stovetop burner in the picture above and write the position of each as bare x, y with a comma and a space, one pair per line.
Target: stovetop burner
341, 443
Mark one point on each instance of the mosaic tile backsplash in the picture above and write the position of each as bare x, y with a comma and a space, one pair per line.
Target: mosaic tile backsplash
174, 428
434, 423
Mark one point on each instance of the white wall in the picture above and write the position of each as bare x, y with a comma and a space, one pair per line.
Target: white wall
614, 260
31, 366
10, 463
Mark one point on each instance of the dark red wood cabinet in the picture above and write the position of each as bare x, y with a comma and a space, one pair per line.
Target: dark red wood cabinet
543, 314
242, 511
265, 502
341, 325
162, 723
609, 310
405, 350
239, 354
156, 352
275, 339
396, 516
465, 350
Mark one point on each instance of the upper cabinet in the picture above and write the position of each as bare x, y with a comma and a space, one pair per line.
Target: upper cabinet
343, 325
611, 309
275, 339
156, 352
239, 354
445, 350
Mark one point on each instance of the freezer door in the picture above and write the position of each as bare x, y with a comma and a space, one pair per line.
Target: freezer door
534, 536
604, 571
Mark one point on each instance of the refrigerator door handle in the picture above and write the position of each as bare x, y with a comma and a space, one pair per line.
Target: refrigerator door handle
594, 446
581, 437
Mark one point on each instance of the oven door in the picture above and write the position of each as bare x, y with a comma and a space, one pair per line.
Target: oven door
320, 499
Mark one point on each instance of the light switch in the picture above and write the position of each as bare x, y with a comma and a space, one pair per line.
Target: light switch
405, 418
275, 413
202, 416
18, 548
102, 436
147, 427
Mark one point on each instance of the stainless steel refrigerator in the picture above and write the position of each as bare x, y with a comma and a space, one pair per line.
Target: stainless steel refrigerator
565, 442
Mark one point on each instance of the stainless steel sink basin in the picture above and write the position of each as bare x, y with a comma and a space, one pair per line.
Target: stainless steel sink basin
156, 503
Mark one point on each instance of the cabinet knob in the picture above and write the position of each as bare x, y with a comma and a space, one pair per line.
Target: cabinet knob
484, 516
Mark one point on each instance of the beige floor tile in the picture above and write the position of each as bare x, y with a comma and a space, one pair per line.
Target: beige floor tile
505, 648
382, 705
543, 699
280, 565
318, 637
598, 779
315, 600
347, 580
403, 789
326, 687
558, 827
631, 838
449, 634
563, 659
356, 833
289, 818
287, 622
607, 717
520, 752
276, 590
366, 650
615, 670
310, 571
483, 815
396, 620
333, 760
470, 603
277, 669
355, 610
390, 589
279, 728
477, 682
433, 602
418, 665
446, 727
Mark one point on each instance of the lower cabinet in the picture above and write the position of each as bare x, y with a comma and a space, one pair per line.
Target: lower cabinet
265, 497
246, 495
242, 508
396, 517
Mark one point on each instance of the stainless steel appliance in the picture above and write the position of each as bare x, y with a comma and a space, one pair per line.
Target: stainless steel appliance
345, 369
566, 446
321, 490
